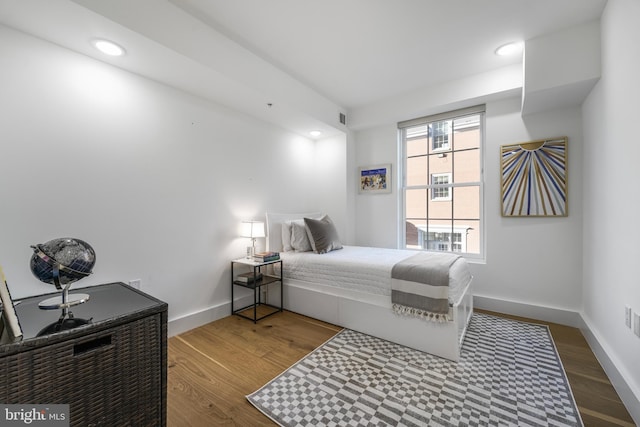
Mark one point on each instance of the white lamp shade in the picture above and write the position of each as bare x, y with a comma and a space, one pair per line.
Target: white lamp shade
252, 229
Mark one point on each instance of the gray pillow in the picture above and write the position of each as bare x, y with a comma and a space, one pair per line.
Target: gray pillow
322, 234
299, 237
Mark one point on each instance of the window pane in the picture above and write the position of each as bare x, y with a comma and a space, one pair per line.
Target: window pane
467, 166
417, 171
417, 147
416, 205
466, 202
439, 235
440, 135
469, 231
466, 132
419, 131
440, 207
440, 163
413, 233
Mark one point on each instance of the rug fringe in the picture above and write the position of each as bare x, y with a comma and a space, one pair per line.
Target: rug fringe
421, 314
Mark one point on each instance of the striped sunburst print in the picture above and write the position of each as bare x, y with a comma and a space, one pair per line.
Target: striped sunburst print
534, 178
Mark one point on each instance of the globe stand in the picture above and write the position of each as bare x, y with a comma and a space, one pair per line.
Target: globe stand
65, 300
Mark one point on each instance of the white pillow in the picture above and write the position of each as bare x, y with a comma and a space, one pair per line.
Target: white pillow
275, 229
299, 238
286, 236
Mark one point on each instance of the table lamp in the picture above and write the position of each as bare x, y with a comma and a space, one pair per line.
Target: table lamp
252, 229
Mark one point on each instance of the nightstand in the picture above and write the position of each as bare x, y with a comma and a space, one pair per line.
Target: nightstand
257, 275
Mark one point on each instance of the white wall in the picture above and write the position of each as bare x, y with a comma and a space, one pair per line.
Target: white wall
327, 188
611, 203
154, 179
552, 78
547, 64
532, 260
376, 214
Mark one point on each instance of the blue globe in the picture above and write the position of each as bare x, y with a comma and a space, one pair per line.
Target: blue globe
74, 259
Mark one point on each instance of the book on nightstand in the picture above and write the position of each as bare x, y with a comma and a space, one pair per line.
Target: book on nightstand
266, 256
248, 277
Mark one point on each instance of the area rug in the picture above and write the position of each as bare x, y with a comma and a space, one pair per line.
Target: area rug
509, 374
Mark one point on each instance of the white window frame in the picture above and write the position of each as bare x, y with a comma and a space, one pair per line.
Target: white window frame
401, 175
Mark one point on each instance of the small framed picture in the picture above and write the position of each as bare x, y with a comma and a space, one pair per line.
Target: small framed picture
374, 179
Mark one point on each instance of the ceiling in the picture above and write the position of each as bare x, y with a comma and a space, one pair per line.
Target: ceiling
307, 58
357, 52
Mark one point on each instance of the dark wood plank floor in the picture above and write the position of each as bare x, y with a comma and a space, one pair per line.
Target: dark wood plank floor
212, 369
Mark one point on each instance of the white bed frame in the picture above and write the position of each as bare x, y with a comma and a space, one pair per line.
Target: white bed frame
368, 313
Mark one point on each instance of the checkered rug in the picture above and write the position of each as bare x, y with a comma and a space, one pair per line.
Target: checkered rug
509, 374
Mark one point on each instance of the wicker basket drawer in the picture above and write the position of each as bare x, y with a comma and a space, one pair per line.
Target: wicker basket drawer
109, 378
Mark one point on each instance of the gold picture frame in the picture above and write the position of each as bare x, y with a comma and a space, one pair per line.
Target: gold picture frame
534, 178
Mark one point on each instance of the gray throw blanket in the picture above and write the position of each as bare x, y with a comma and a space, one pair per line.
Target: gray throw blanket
420, 286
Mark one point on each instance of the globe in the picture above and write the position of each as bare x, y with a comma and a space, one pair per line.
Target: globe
72, 258
61, 262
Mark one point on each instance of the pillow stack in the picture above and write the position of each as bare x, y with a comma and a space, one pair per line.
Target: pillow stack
310, 234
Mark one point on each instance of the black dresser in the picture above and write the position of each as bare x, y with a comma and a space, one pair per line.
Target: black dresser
111, 370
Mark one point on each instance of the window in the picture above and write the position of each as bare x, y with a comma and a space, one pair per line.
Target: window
440, 131
439, 182
442, 182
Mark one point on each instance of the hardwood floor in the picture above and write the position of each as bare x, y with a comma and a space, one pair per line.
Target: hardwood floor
212, 369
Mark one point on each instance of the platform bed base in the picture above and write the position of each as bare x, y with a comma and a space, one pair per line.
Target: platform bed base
372, 314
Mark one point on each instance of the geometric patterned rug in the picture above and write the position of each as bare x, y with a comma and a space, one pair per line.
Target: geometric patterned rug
509, 374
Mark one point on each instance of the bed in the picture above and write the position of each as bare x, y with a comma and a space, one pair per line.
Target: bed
352, 287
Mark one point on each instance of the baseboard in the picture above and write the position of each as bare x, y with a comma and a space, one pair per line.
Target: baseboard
193, 320
576, 320
548, 314
630, 399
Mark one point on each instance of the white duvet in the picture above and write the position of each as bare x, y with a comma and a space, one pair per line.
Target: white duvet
362, 269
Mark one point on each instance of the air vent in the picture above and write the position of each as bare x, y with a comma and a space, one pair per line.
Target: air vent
343, 118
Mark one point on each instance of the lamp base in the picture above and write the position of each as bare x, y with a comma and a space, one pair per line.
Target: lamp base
55, 303
250, 252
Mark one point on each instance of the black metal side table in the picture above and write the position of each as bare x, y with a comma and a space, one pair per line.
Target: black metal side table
260, 274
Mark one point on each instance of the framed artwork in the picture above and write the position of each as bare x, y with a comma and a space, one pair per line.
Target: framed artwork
534, 178
374, 179
9, 325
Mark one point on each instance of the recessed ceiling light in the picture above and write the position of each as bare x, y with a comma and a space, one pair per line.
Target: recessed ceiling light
108, 47
509, 49
315, 133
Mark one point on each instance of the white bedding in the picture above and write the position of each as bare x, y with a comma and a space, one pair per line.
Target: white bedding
362, 269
